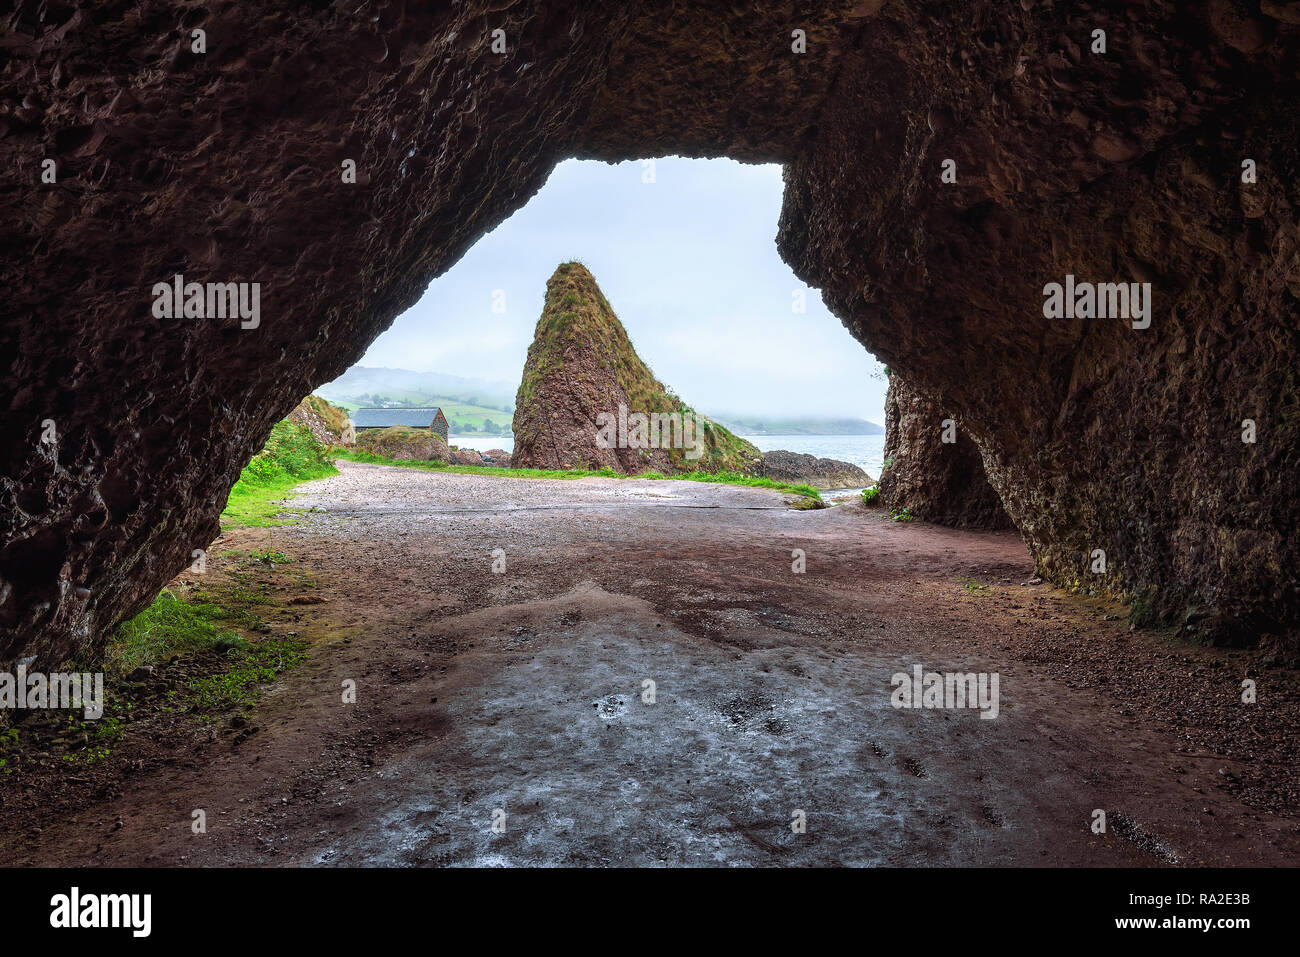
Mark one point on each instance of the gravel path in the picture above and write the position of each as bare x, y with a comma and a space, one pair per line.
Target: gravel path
373, 489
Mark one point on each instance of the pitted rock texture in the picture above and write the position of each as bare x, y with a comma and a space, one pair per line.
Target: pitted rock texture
938, 481
798, 467
1122, 166
123, 432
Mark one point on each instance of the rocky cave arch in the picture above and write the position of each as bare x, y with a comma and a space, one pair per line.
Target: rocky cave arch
224, 165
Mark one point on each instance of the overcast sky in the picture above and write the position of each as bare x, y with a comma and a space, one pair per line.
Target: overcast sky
689, 264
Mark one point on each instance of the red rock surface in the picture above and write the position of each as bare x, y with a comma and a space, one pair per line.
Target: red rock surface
584, 386
468, 457
225, 166
937, 481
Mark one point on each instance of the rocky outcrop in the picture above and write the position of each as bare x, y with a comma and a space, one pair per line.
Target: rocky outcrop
932, 468
499, 458
467, 457
341, 156
406, 443
586, 400
1098, 436
798, 468
328, 423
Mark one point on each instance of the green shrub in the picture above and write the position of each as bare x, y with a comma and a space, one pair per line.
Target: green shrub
291, 455
290, 452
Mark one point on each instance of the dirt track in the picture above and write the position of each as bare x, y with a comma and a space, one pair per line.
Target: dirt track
521, 690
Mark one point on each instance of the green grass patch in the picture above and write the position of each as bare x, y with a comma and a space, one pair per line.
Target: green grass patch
461, 414
292, 455
9, 742
270, 558
802, 503
1142, 612
171, 627
98, 737
972, 585
730, 478
252, 665
168, 627
208, 668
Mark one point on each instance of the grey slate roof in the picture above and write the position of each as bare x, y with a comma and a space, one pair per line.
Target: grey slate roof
383, 418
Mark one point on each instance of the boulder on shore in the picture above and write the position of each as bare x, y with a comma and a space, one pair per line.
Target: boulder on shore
328, 422
406, 443
499, 458
798, 468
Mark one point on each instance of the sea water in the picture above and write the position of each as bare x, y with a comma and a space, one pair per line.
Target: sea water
865, 451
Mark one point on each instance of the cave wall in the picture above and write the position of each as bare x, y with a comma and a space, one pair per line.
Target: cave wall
1123, 166
225, 166
933, 468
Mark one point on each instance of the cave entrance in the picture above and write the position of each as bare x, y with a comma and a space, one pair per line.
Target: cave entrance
683, 251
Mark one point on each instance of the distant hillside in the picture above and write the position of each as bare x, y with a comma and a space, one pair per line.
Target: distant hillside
808, 425
470, 405
417, 388
583, 379
467, 402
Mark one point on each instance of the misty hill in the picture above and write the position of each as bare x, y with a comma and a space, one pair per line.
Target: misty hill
797, 425
586, 400
467, 400
470, 404
415, 388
